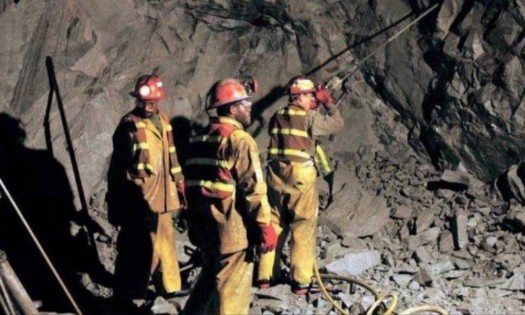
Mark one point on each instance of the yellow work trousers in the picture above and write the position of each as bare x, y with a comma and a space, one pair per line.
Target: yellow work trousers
223, 286
165, 253
144, 244
292, 192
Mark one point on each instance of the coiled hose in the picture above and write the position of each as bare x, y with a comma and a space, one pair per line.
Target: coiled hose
379, 298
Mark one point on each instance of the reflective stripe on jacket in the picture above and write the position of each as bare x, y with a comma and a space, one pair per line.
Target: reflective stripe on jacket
290, 138
324, 165
142, 160
151, 149
207, 167
226, 190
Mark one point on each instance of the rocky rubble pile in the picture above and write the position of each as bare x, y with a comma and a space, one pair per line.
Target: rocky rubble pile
446, 241
432, 238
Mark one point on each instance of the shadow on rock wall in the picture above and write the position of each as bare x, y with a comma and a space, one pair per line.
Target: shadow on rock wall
39, 185
262, 104
183, 129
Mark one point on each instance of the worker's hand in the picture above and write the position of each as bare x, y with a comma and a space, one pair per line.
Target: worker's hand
323, 96
268, 238
181, 190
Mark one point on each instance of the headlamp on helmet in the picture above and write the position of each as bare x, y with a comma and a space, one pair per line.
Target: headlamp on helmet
149, 88
250, 85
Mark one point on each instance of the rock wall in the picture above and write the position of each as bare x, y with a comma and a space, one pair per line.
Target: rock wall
451, 88
447, 94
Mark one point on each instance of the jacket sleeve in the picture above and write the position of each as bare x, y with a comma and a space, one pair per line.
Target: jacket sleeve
122, 158
178, 175
248, 173
323, 125
118, 175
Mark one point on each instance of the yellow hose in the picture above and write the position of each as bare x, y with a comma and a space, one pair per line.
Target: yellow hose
351, 280
424, 308
326, 294
379, 298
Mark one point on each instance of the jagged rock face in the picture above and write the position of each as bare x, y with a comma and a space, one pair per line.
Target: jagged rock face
459, 82
460, 85
447, 91
452, 87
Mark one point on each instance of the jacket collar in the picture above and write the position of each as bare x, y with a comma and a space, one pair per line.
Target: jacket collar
229, 121
149, 125
296, 107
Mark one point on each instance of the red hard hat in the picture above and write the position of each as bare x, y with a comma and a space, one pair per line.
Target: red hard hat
228, 91
301, 86
149, 88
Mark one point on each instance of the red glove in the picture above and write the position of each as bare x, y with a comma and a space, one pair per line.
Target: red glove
181, 190
322, 95
268, 238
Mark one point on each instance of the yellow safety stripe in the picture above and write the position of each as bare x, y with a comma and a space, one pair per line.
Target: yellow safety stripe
290, 132
293, 152
212, 185
141, 146
211, 139
231, 121
291, 112
175, 170
142, 166
172, 149
207, 161
140, 124
322, 157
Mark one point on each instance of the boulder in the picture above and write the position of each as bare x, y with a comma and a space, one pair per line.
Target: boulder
355, 263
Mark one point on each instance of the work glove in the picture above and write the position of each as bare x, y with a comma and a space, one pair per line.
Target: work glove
268, 238
323, 96
181, 190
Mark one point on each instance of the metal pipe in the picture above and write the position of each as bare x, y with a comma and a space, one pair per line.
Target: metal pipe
70, 149
357, 63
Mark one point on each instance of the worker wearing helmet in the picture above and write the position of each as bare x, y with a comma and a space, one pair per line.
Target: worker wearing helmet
228, 207
145, 187
291, 178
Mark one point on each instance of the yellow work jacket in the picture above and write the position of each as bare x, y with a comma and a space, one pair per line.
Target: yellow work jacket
225, 187
290, 135
158, 188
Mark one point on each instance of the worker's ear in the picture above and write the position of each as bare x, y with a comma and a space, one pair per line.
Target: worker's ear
233, 109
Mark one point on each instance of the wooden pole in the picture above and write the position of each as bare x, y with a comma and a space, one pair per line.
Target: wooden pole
40, 248
14, 286
5, 300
